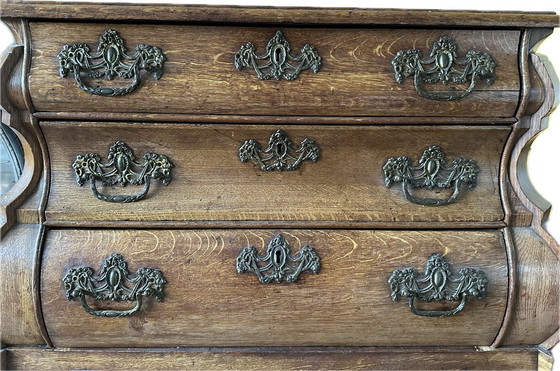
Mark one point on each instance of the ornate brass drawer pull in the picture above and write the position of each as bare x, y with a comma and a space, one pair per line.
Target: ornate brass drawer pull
113, 283
431, 173
280, 154
444, 66
277, 261
277, 59
439, 285
122, 169
109, 61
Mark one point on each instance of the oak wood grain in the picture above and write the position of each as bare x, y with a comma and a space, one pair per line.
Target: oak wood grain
536, 315
278, 359
356, 79
274, 15
346, 185
208, 304
19, 312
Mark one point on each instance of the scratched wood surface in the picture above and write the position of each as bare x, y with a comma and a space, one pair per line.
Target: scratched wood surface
356, 79
208, 304
210, 183
278, 359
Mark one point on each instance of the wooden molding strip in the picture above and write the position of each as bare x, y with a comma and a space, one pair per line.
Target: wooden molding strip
272, 15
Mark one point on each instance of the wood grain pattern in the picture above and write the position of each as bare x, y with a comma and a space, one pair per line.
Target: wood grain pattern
356, 79
16, 113
536, 315
210, 183
208, 304
19, 315
274, 15
277, 359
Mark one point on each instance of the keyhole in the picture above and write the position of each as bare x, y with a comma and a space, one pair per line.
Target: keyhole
280, 150
277, 257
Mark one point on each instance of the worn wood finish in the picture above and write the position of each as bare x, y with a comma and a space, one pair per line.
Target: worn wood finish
278, 359
210, 183
274, 15
19, 309
16, 107
537, 315
256, 119
356, 79
347, 303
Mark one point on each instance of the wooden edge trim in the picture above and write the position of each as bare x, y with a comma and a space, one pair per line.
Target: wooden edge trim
265, 224
512, 287
526, 131
25, 126
524, 49
36, 279
256, 119
545, 360
277, 358
274, 15
552, 340
515, 153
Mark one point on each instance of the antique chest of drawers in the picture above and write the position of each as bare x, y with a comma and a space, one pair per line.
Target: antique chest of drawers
267, 188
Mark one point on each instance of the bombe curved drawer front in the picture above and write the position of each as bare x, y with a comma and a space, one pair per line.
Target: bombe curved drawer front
205, 302
341, 71
343, 181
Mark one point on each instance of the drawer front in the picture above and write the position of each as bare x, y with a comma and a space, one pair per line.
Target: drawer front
342, 181
193, 71
205, 302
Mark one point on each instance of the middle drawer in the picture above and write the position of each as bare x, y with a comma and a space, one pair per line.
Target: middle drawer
316, 175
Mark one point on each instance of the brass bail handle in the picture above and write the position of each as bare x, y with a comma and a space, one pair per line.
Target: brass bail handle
438, 284
113, 283
111, 60
123, 169
444, 66
431, 173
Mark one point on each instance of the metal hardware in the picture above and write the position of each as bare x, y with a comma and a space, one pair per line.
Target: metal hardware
277, 261
123, 169
280, 154
431, 173
277, 59
109, 61
438, 284
113, 283
442, 67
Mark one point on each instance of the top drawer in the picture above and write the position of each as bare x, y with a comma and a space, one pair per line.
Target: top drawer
355, 70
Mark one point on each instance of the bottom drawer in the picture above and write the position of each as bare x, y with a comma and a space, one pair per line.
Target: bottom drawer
340, 294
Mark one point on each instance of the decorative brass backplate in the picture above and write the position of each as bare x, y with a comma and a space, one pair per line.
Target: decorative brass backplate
444, 66
280, 154
431, 173
113, 283
438, 284
275, 265
109, 61
122, 169
277, 59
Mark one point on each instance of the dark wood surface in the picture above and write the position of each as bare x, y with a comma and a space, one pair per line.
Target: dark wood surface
356, 79
281, 359
208, 304
345, 187
272, 15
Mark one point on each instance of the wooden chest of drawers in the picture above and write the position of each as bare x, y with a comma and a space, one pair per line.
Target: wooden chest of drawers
227, 188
